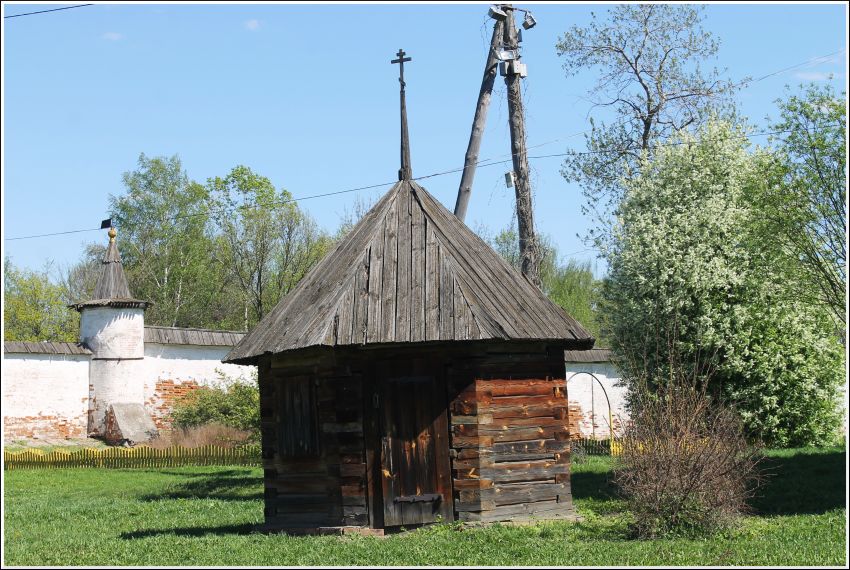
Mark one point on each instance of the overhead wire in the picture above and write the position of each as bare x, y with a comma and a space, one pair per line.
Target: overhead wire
45, 11
483, 163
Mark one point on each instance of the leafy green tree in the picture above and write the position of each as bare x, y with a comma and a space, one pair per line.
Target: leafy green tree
650, 63
266, 244
570, 285
691, 276
807, 211
166, 252
34, 308
79, 281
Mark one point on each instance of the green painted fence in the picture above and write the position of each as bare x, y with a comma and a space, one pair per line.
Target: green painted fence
132, 457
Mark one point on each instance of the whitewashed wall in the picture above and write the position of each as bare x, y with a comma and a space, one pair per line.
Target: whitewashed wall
173, 370
588, 399
113, 333
45, 396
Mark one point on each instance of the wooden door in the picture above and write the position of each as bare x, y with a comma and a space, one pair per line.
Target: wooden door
415, 475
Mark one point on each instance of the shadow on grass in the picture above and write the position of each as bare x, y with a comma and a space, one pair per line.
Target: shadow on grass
229, 485
237, 529
593, 485
808, 481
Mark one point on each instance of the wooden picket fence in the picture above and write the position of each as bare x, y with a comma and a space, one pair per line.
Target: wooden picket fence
133, 457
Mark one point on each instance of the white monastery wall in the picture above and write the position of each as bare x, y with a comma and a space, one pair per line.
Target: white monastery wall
173, 370
45, 396
587, 397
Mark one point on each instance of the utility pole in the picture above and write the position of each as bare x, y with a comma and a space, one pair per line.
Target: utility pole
513, 71
479, 121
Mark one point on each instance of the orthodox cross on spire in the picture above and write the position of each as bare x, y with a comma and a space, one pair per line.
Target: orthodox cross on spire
404, 173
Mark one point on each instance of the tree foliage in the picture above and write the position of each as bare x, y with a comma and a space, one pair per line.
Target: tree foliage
265, 243
687, 255
806, 211
218, 255
165, 248
34, 308
651, 75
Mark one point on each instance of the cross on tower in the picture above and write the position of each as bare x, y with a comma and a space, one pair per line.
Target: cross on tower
400, 61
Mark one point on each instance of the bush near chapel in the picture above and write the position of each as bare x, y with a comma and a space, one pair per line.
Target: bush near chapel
234, 403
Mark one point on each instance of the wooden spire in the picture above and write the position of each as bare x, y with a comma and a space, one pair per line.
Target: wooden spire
405, 172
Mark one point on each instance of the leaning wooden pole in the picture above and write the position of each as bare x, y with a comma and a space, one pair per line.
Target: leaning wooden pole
478, 122
528, 249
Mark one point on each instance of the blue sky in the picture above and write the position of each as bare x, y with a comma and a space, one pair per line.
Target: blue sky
305, 95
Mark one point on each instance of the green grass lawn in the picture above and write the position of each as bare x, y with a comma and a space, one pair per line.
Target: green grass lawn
206, 516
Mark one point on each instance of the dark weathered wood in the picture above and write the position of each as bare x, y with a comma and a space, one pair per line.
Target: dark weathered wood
404, 277
478, 122
469, 291
528, 247
418, 273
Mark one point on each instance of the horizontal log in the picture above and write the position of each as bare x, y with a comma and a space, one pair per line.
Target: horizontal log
539, 473
541, 509
485, 505
480, 419
463, 484
349, 427
552, 420
500, 434
527, 411
462, 442
507, 388
356, 490
474, 463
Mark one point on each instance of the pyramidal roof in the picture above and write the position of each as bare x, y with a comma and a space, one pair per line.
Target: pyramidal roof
409, 272
112, 289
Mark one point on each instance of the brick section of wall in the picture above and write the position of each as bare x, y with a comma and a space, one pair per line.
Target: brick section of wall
44, 427
166, 392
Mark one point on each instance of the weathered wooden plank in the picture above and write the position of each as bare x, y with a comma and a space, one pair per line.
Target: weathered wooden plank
375, 283
522, 411
403, 274
345, 317
509, 401
462, 484
389, 275
481, 419
512, 433
522, 387
432, 284
360, 311
418, 273
542, 509
447, 311
462, 442
461, 313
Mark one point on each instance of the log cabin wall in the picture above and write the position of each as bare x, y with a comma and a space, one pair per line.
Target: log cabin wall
510, 434
311, 417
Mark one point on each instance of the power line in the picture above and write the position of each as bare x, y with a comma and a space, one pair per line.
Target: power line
45, 11
483, 163
54, 234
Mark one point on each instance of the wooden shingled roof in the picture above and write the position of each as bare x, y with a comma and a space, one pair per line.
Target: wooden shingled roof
44, 347
191, 336
409, 272
112, 289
